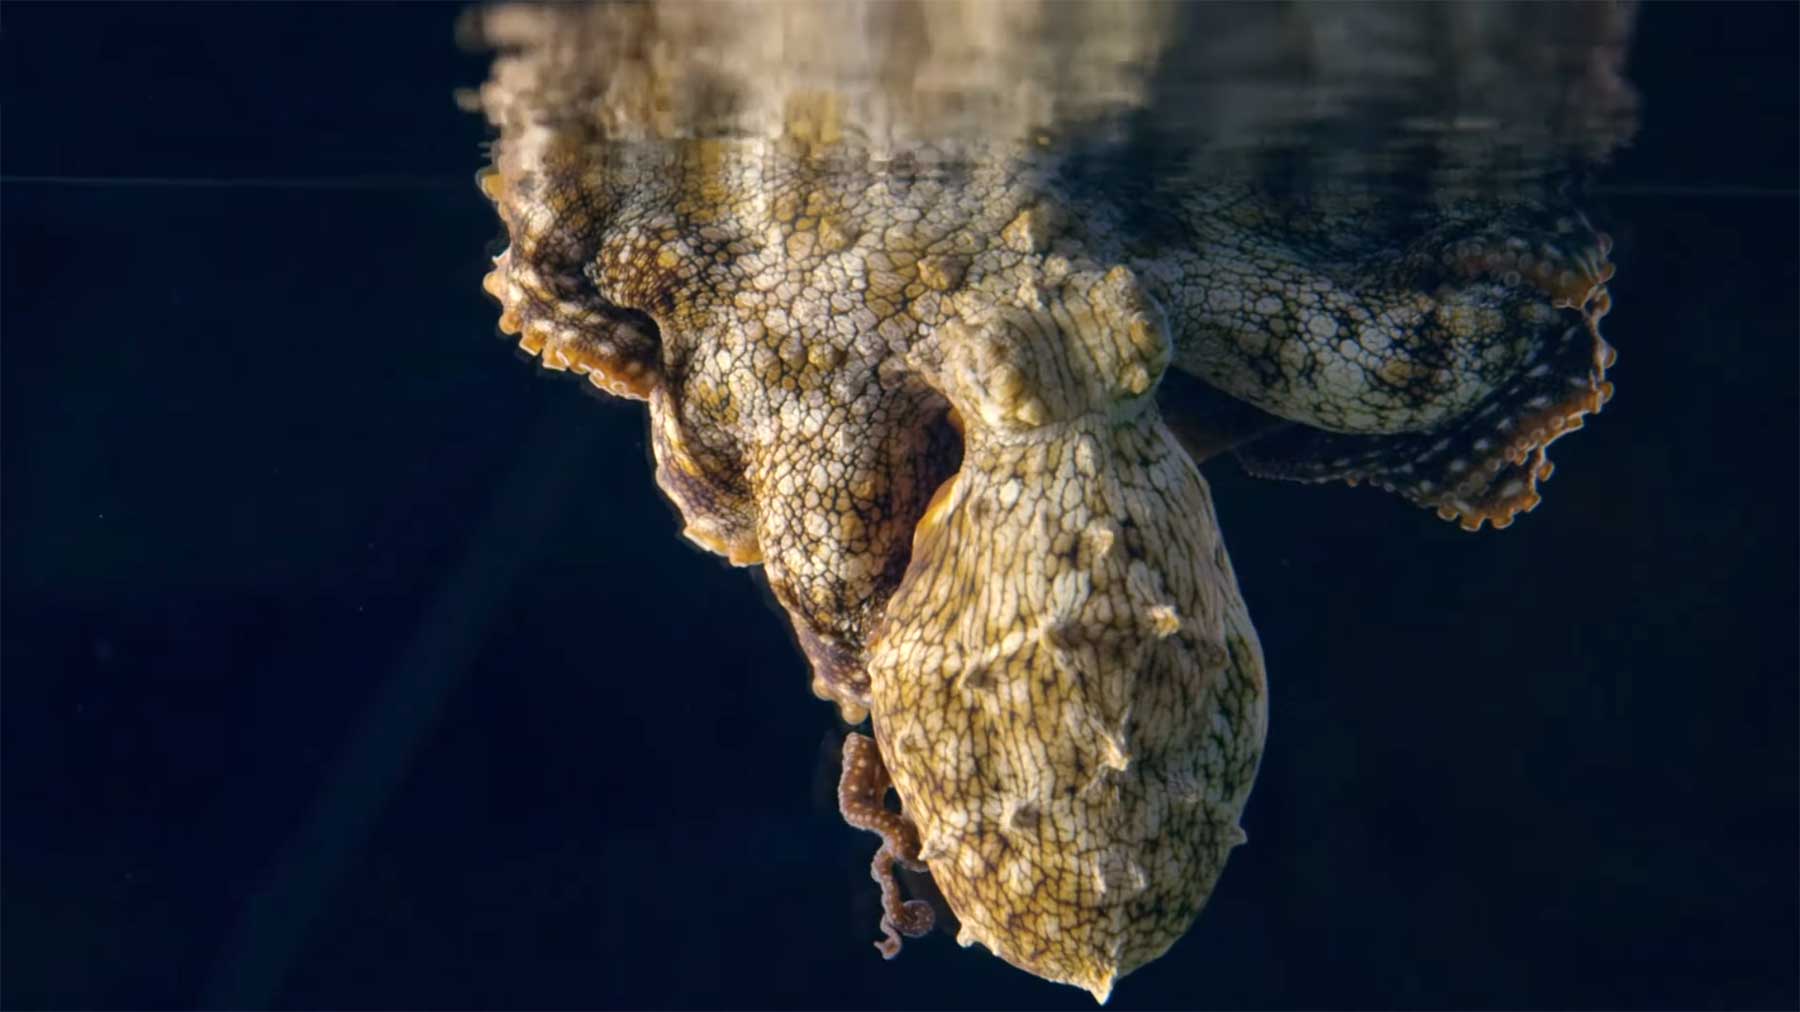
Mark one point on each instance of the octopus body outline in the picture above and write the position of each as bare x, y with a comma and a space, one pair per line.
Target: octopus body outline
920, 384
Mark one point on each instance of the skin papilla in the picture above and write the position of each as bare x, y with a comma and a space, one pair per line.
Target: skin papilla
922, 377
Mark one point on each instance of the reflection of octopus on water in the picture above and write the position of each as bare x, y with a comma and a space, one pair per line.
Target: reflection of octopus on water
949, 389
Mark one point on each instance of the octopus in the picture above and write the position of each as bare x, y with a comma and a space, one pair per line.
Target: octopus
951, 390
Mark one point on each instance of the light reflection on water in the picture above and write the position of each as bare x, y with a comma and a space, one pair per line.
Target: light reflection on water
1419, 98
1423, 100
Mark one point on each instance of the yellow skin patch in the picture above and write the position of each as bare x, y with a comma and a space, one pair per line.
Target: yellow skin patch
921, 390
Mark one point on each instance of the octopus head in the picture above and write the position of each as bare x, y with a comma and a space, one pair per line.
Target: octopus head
1066, 687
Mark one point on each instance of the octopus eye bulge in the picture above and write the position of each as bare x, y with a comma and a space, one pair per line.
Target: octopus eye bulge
940, 344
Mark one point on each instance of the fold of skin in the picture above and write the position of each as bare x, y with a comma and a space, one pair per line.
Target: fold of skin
919, 385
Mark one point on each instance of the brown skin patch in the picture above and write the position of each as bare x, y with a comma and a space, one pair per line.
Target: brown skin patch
863, 786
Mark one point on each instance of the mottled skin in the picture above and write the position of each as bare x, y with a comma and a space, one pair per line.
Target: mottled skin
922, 393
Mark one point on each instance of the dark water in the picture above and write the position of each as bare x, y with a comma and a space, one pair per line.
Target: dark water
348, 661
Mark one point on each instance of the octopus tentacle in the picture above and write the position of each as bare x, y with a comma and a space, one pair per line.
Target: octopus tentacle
1483, 467
1487, 468
1439, 368
839, 491
543, 281
862, 794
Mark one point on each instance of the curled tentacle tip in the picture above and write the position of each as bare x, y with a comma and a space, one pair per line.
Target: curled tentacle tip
862, 789
914, 920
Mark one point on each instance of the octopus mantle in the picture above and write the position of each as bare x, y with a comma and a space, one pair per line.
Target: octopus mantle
926, 391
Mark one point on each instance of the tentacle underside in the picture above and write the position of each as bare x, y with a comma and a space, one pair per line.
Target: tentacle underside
1438, 365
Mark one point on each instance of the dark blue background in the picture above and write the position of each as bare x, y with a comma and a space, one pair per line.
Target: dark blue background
349, 661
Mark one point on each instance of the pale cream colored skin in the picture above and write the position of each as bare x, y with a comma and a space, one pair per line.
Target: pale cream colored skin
920, 390
1067, 688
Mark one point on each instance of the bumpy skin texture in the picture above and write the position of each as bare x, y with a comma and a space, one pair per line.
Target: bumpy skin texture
1440, 369
921, 390
1070, 696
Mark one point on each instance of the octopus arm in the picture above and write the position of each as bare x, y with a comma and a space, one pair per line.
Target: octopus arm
863, 787
837, 486
1483, 467
1438, 364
